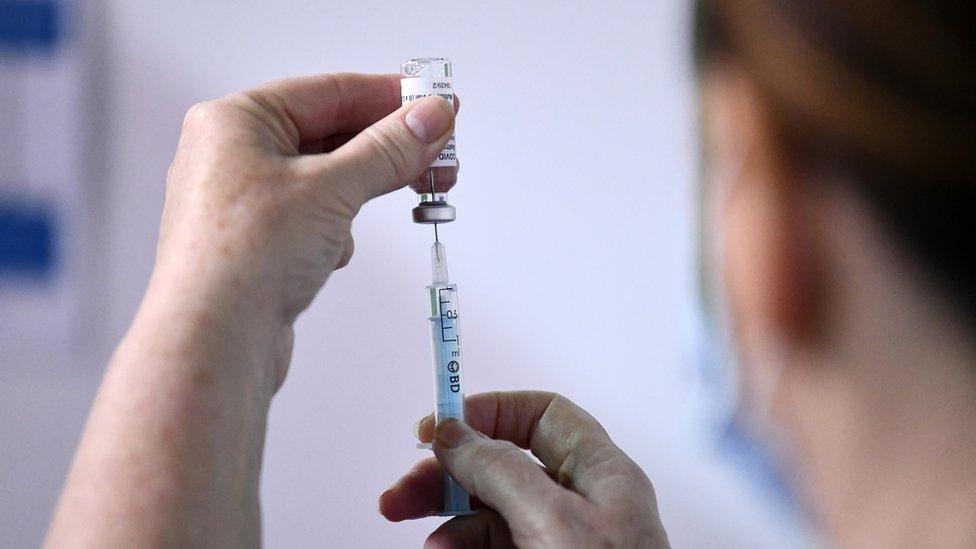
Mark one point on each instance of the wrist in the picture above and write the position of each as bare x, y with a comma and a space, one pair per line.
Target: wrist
193, 321
179, 422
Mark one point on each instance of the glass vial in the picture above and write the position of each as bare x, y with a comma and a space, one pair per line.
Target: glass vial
420, 78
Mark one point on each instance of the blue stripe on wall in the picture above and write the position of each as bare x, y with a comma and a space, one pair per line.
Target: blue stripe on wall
29, 25
27, 241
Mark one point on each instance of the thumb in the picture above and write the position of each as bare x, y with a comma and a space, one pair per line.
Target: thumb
500, 474
394, 150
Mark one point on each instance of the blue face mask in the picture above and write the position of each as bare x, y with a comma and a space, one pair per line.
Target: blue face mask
736, 438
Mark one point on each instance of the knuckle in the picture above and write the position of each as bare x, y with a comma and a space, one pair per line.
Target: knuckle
561, 401
201, 115
347, 252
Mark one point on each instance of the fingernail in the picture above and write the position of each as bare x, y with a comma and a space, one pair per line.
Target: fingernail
416, 427
390, 489
450, 433
379, 500
430, 118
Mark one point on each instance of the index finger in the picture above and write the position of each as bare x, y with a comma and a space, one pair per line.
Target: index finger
564, 437
315, 107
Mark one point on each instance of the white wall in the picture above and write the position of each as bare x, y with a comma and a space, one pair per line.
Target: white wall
574, 248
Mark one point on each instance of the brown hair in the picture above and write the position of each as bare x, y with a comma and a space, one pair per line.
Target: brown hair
883, 93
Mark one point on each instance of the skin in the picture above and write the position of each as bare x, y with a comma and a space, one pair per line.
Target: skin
587, 494
848, 352
875, 401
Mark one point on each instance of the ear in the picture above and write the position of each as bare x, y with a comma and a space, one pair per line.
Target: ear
762, 217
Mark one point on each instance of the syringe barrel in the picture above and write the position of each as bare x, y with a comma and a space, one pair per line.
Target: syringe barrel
448, 381
445, 332
420, 78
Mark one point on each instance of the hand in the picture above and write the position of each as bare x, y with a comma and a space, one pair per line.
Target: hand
259, 203
265, 184
588, 494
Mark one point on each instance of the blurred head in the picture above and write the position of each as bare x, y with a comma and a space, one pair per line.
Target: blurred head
839, 150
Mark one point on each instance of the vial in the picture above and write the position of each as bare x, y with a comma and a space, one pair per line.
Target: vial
420, 78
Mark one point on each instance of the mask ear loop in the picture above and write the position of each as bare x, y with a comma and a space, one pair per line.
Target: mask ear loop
766, 355
746, 420
717, 310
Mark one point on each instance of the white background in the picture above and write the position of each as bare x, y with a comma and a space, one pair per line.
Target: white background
574, 248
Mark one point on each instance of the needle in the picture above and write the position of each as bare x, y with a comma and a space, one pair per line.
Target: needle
430, 174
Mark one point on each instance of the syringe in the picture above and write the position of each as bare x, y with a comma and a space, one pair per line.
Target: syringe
421, 78
445, 331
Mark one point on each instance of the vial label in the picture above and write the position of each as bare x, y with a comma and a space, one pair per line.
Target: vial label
412, 89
